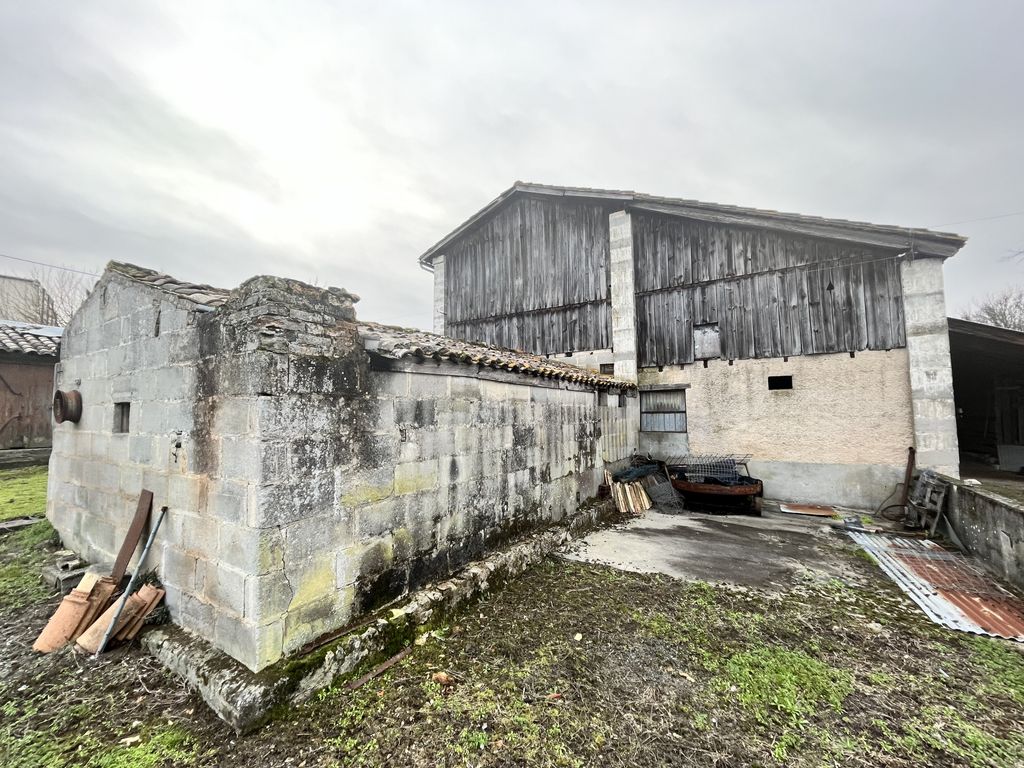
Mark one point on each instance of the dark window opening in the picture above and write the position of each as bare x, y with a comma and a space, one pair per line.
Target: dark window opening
663, 410
622, 399
122, 415
780, 382
608, 369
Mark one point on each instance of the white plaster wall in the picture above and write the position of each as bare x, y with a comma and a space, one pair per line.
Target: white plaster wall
591, 360
838, 436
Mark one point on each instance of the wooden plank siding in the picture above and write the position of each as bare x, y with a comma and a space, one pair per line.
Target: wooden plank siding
768, 291
534, 277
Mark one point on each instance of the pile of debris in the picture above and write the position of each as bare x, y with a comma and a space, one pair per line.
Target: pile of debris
698, 482
628, 491
98, 611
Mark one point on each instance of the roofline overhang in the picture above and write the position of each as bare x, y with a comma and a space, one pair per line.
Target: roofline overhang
917, 241
958, 326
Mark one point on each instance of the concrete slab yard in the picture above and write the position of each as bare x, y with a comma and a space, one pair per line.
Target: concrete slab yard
768, 551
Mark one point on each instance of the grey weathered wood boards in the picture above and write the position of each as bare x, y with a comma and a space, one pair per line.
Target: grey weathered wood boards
771, 294
534, 276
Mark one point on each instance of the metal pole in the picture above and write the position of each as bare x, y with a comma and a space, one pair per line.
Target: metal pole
131, 583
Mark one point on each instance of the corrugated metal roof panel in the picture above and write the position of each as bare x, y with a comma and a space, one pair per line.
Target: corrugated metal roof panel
950, 589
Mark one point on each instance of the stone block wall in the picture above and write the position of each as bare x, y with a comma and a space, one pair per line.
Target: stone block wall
304, 487
432, 470
989, 526
931, 372
131, 344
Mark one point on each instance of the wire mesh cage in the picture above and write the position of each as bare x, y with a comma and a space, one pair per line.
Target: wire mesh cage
724, 467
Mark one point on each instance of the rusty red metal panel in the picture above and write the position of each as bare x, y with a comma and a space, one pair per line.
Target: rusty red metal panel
948, 587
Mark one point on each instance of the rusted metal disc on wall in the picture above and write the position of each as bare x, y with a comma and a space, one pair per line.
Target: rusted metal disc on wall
67, 406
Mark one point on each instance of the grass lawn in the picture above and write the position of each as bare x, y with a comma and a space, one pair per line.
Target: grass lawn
22, 492
570, 665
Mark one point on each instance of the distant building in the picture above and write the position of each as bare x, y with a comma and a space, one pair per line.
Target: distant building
28, 354
26, 301
818, 346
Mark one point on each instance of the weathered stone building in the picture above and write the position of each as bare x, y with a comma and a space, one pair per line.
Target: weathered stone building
314, 466
817, 345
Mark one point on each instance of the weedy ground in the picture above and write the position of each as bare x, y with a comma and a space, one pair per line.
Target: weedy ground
22, 492
570, 665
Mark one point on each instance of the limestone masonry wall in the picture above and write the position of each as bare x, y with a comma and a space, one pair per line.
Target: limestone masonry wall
307, 481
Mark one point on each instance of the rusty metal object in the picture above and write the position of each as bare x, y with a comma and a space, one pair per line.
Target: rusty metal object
114, 620
908, 476
717, 483
67, 406
713, 489
946, 585
134, 535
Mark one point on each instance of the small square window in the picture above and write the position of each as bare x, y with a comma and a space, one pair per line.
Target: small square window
122, 416
608, 369
780, 382
663, 411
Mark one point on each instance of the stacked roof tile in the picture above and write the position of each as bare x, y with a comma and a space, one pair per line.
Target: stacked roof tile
204, 295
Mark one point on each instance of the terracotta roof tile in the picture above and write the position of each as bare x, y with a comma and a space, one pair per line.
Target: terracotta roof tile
29, 339
398, 343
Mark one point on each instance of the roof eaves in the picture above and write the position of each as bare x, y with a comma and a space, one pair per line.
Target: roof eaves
985, 331
527, 188
925, 241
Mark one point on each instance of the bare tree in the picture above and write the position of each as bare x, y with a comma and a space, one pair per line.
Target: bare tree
50, 296
1005, 309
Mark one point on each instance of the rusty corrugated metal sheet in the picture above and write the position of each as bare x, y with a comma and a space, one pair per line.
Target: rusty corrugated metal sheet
950, 589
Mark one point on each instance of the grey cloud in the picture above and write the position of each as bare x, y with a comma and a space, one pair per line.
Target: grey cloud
903, 114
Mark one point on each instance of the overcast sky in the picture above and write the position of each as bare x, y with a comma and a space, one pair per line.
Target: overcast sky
335, 143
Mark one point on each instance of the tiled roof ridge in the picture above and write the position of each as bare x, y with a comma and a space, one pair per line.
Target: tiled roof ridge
394, 342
